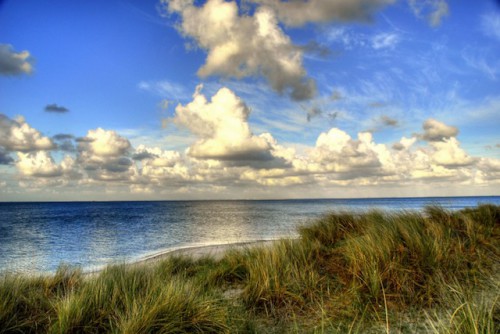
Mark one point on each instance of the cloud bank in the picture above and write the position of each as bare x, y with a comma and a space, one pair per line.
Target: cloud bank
227, 156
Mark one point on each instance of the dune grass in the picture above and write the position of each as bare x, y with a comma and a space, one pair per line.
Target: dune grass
434, 271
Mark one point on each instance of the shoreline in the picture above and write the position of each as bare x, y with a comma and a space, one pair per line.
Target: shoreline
215, 251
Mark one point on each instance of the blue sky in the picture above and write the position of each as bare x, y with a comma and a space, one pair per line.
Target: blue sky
178, 99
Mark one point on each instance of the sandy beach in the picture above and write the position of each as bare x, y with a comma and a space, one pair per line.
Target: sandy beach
197, 252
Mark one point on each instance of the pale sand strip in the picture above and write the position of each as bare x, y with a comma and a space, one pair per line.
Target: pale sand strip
214, 251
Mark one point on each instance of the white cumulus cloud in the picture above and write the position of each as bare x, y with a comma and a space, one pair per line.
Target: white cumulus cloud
244, 45
449, 153
17, 135
105, 143
39, 164
337, 152
104, 155
221, 125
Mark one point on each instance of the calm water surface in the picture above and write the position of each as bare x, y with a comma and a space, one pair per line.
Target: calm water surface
37, 237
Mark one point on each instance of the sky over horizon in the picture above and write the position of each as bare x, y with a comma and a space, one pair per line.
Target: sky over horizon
249, 99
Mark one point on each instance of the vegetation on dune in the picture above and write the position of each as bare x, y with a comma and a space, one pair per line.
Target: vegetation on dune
432, 272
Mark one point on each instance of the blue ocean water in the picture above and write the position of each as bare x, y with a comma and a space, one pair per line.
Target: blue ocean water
38, 237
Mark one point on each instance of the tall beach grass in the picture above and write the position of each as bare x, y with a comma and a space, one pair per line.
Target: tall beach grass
434, 271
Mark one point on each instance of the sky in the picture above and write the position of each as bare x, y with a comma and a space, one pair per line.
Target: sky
248, 99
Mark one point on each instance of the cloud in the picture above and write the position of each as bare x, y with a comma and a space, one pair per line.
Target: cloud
241, 46
334, 115
432, 10
56, 108
14, 63
490, 25
38, 164
336, 96
338, 158
17, 135
5, 158
117, 165
404, 143
385, 41
83, 140
160, 167
39, 171
388, 121
337, 152
157, 157
488, 170
221, 125
164, 104
441, 10
479, 60
313, 112
64, 142
351, 39
139, 156
63, 136
448, 153
298, 13
106, 159
437, 131
247, 40
316, 48
382, 122
165, 89
104, 155
104, 143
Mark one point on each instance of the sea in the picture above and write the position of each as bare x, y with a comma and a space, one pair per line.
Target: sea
36, 238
